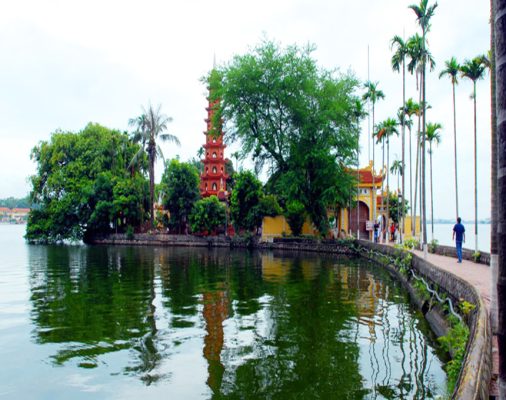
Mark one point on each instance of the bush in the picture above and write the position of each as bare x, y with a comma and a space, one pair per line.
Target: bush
433, 246
295, 216
411, 243
207, 215
130, 232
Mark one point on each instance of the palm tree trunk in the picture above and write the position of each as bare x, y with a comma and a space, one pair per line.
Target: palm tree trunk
455, 154
401, 222
411, 184
388, 186
422, 189
475, 176
431, 195
382, 188
373, 167
500, 51
417, 170
151, 185
493, 207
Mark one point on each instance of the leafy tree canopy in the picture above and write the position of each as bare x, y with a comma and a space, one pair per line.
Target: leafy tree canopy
300, 120
180, 191
395, 210
207, 215
83, 184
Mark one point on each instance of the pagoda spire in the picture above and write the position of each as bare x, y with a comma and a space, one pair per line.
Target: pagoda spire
213, 180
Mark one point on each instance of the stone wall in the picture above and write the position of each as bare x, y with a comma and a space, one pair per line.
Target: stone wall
467, 254
145, 239
475, 374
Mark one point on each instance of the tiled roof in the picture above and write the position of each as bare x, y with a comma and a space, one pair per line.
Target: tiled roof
21, 210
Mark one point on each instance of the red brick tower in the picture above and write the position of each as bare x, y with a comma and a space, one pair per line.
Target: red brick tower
213, 180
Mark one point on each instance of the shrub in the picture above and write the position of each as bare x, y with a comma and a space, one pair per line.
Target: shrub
411, 243
433, 245
207, 214
130, 232
295, 216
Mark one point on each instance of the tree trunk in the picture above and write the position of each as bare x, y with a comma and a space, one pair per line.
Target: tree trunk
455, 154
493, 169
151, 185
500, 57
431, 195
417, 170
401, 222
475, 175
388, 187
411, 184
373, 166
382, 189
424, 123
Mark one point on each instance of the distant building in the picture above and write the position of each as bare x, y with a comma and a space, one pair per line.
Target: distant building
14, 215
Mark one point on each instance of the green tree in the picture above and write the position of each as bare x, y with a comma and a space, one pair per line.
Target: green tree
295, 216
474, 70
180, 191
294, 116
207, 215
452, 69
433, 136
396, 208
424, 13
73, 188
245, 200
150, 126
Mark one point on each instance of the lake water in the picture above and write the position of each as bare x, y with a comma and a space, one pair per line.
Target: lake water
443, 233
99, 322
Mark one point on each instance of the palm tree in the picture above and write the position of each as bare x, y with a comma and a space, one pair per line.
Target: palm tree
373, 94
474, 70
452, 69
149, 127
398, 59
424, 13
200, 153
411, 108
433, 136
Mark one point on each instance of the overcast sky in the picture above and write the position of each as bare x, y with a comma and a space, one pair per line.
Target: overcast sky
66, 63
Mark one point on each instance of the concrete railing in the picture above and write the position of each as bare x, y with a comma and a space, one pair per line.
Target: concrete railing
474, 378
467, 254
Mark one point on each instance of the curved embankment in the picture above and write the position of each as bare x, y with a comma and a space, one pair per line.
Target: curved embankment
474, 377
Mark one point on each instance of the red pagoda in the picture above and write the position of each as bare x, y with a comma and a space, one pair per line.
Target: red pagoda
213, 180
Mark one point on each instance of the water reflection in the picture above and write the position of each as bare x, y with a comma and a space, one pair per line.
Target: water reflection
233, 324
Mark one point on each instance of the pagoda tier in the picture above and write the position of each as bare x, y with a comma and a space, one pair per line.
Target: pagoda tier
213, 179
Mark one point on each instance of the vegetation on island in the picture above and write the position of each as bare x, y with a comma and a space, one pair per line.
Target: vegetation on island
295, 118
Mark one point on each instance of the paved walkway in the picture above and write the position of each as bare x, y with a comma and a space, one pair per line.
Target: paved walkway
479, 275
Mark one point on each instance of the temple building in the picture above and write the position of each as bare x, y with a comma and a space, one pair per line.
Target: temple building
213, 180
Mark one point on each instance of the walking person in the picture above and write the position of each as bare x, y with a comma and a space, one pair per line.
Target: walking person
459, 236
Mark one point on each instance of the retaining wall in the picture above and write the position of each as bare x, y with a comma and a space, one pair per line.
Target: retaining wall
474, 379
467, 254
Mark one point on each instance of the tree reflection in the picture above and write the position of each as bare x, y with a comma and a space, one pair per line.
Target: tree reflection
262, 324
